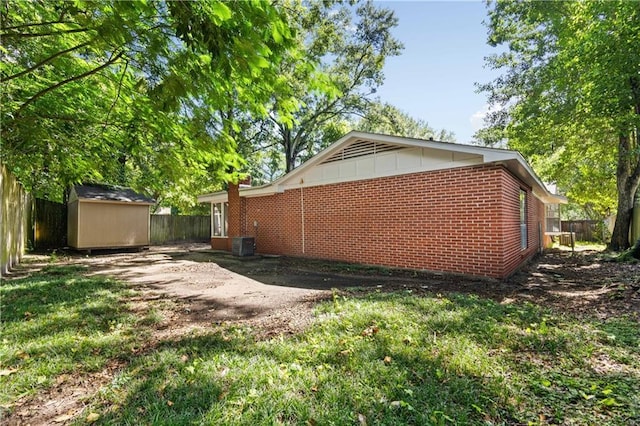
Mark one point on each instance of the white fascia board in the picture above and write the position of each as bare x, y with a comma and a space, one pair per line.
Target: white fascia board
518, 166
99, 201
214, 197
260, 191
424, 143
254, 191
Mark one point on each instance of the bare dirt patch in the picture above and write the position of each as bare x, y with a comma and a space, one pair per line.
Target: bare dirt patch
192, 289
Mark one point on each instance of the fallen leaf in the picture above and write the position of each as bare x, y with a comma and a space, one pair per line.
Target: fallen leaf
170, 403
92, 417
362, 419
387, 359
63, 418
314, 389
8, 371
184, 358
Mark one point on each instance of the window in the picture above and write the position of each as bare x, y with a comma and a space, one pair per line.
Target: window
553, 217
220, 222
523, 219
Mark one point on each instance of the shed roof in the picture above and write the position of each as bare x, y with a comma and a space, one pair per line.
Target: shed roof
358, 144
105, 192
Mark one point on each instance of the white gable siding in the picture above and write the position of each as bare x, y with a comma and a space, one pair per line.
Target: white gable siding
380, 164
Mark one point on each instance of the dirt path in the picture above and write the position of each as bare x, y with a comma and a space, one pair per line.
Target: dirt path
194, 275
221, 287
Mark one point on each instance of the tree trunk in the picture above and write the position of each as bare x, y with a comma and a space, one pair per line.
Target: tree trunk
289, 153
628, 177
620, 236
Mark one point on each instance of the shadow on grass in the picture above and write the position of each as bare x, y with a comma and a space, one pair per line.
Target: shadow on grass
59, 321
388, 358
218, 379
49, 290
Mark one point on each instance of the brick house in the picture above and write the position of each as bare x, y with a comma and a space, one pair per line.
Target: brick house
398, 202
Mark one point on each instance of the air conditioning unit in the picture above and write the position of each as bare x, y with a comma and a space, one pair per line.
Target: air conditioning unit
242, 246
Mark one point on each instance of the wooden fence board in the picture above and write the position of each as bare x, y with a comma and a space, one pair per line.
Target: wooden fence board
585, 230
15, 211
171, 229
50, 229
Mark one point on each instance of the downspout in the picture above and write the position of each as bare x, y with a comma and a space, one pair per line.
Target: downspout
302, 211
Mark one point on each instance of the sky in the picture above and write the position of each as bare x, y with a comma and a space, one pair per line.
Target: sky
434, 77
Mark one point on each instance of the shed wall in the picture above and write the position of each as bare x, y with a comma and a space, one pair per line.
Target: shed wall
72, 223
462, 220
110, 225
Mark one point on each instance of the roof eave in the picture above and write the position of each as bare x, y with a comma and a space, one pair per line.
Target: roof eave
518, 166
213, 197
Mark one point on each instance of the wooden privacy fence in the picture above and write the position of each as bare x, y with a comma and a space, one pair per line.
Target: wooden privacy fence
585, 230
171, 229
50, 225
15, 210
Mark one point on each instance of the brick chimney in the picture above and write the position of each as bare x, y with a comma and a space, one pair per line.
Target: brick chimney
233, 216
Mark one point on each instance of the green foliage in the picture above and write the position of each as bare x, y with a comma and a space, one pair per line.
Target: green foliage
350, 44
569, 97
123, 91
383, 358
386, 119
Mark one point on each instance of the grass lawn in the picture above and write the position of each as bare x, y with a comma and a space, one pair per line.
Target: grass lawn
369, 358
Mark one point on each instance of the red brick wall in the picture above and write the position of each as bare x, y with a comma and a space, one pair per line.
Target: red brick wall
513, 256
220, 243
235, 214
463, 220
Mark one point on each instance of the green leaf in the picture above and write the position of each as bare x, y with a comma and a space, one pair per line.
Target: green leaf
221, 10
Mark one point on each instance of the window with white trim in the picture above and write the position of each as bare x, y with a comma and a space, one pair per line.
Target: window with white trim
523, 219
219, 223
552, 217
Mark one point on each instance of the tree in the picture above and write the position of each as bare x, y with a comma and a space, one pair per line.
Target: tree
387, 119
571, 88
351, 44
122, 91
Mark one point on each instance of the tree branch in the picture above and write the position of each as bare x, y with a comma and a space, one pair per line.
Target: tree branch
113, 104
30, 35
37, 24
68, 80
44, 61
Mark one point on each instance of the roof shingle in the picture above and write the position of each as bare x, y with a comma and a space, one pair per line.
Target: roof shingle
111, 193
